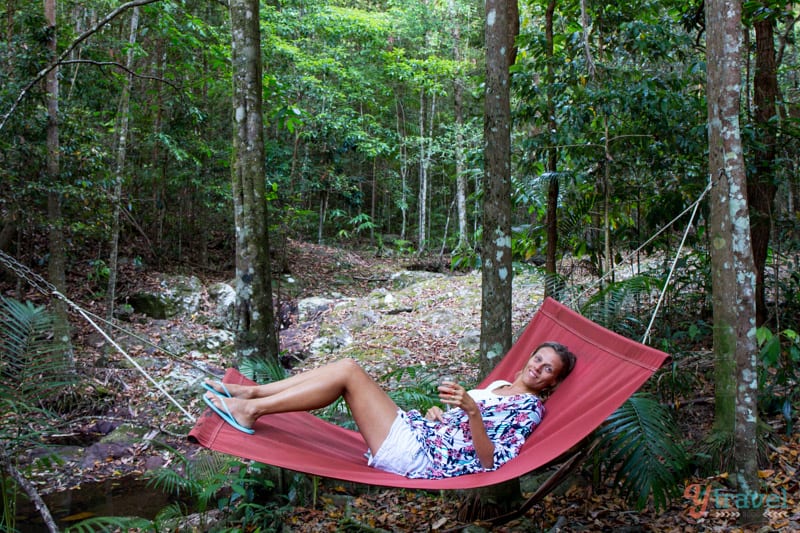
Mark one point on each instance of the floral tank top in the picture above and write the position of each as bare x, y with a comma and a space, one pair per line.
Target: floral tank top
448, 443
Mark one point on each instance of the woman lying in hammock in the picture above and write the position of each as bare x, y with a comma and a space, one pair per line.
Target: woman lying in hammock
488, 428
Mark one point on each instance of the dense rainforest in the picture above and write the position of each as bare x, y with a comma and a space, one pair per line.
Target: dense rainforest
652, 162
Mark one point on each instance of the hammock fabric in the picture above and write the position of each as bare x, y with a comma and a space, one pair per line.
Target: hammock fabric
610, 368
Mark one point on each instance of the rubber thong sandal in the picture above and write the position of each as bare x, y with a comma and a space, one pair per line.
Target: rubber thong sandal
225, 392
226, 415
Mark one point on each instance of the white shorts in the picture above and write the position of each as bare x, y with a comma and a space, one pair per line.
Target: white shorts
401, 452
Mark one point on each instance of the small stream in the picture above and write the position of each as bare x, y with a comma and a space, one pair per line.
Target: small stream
128, 496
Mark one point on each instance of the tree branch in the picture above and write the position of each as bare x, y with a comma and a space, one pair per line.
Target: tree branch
30, 490
85, 35
121, 67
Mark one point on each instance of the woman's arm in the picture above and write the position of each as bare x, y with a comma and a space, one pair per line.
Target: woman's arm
457, 396
484, 447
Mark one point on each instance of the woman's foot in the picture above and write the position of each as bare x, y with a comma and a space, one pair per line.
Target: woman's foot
233, 408
229, 390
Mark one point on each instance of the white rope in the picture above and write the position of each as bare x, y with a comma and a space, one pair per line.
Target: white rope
128, 357
646, 335
45, 287
693, 208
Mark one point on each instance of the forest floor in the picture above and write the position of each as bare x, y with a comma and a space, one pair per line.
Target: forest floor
577, 505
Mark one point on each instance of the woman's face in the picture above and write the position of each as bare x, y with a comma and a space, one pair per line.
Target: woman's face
542, 369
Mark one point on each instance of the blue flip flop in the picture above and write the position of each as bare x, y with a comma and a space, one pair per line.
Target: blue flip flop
225, 392
226, 415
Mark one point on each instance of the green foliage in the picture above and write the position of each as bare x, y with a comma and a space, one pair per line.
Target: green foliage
111, 523
358, 224
262, 370
779, 374
34, 367
34, 374
618, 306
412, 387
641, 444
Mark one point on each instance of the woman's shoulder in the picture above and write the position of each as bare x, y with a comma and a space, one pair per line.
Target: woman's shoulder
497, 384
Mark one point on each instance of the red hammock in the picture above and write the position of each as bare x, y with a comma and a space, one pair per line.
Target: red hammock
609, 369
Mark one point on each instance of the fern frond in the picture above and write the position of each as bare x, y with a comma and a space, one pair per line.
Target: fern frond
111, 523
33, 363
172, 482
262, 370
617, 305
641, 442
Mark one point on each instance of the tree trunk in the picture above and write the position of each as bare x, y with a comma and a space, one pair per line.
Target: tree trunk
732, 268
403, 156
56, 266
458, 111
496, 244
422, 197
255, 324
551, 217
496, 270
761, 186
122, 138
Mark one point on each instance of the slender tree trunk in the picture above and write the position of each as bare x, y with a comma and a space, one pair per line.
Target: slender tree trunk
422, 197
323, 213
403, 156
761, 185
496, 273
255, 323
458, 111
732, 268
56, 267
551, 217
119, 174
496, 244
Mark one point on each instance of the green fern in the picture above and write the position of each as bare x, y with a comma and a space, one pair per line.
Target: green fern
112, 523
262, 370
618, 305
640, 441
200, 479
34, 366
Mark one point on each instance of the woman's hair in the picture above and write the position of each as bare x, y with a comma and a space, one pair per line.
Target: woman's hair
567, 358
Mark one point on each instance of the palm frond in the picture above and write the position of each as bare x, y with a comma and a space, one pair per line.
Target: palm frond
262, 370
33, 362
640, 441
111, 523
170, 481
618, 305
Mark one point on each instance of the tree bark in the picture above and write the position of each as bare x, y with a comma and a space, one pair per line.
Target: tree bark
732, 268
496, 243
422, 196
496, 269
761, 186
122, 144
255, 323
551, 216
56, 266
458, 111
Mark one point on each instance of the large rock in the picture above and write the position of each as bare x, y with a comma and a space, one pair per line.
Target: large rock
222, 299
175, 295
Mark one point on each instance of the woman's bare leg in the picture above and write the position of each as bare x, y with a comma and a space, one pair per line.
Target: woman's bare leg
249, 392
372, 409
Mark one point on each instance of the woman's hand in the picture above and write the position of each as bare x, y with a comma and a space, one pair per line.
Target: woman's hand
455, 395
